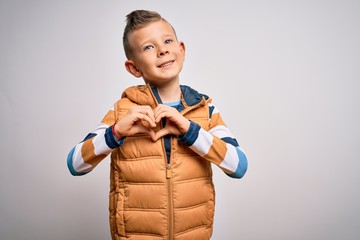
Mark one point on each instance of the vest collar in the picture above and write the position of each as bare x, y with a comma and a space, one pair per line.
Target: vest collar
148, 95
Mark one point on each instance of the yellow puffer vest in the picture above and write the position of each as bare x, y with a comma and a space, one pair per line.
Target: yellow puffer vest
151, 200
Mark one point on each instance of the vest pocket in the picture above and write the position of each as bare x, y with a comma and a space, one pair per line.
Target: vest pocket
119, 213
211, 205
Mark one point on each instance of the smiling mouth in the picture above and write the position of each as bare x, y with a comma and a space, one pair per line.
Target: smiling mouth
166, 64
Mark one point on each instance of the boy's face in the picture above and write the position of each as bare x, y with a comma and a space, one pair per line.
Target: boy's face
157, 56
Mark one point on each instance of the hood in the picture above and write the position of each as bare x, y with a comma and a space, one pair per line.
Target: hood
147, 95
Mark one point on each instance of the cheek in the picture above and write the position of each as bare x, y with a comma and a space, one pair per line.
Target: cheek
148, 61
145, 65
181, 57
180, 54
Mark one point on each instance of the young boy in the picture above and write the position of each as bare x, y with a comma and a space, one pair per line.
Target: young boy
162, 137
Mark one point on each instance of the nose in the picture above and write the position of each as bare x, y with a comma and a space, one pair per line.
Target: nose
163, 50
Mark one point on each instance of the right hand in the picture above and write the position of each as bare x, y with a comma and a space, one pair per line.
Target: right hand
131, 124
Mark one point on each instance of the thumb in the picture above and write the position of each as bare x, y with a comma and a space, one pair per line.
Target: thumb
142, 129
160, 134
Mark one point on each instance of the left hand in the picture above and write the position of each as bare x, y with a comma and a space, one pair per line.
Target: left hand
176, 124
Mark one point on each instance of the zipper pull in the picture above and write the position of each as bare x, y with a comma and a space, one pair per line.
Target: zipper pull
168, 171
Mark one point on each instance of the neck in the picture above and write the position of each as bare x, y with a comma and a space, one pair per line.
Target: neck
169, 93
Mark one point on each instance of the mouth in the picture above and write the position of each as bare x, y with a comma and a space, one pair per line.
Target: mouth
166, 64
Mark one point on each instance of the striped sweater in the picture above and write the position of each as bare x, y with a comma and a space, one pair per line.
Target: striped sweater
217, 145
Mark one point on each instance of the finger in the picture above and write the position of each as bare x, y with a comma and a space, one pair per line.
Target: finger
144, 118
170, 115
161, 133
150, 116
142, 129
145, 110
149, 112
163, 112
160, 108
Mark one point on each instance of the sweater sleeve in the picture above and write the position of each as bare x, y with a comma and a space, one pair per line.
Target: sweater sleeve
218, 145
98, 144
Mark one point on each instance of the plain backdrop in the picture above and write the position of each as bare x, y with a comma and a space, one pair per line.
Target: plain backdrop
284, 74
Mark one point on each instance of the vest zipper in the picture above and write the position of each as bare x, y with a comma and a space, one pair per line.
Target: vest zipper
170, 206
168, 171
170, 200
170, 195
168, 178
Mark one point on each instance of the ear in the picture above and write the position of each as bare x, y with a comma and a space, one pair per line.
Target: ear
132, 68
182, 48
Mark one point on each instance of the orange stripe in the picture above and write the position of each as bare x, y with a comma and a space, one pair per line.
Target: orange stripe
216, 156
87, 153
226, 170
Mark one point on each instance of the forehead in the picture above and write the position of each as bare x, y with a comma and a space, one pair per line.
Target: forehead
152, 31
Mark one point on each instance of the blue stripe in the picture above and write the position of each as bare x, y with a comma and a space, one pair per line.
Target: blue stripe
172, 104
231, 141
242, 165
192, 134
90, 135
110, 139
70, 164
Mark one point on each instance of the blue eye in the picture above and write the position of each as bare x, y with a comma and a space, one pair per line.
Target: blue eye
168, 41
148, 47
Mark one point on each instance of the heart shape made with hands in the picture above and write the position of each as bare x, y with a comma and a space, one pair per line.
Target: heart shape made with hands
156, 134
143, 119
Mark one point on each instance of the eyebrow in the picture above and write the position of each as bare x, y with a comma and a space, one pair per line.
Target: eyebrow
169, 35
151, 40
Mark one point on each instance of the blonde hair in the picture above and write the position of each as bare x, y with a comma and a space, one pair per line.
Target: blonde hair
135, 20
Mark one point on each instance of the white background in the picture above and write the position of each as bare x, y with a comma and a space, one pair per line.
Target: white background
284, 74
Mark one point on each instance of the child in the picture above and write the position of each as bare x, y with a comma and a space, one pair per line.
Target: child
162, 137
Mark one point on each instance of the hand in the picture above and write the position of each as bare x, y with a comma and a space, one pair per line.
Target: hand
176, 124
139, 119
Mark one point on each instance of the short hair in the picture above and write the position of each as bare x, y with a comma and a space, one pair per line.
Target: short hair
135, 20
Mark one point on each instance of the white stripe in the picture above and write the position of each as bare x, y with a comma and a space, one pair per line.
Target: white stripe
231, 159
221, 131
203, 143
100, 146
78, 162
100, 128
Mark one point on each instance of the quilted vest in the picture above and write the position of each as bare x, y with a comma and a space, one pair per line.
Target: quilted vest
153, 200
